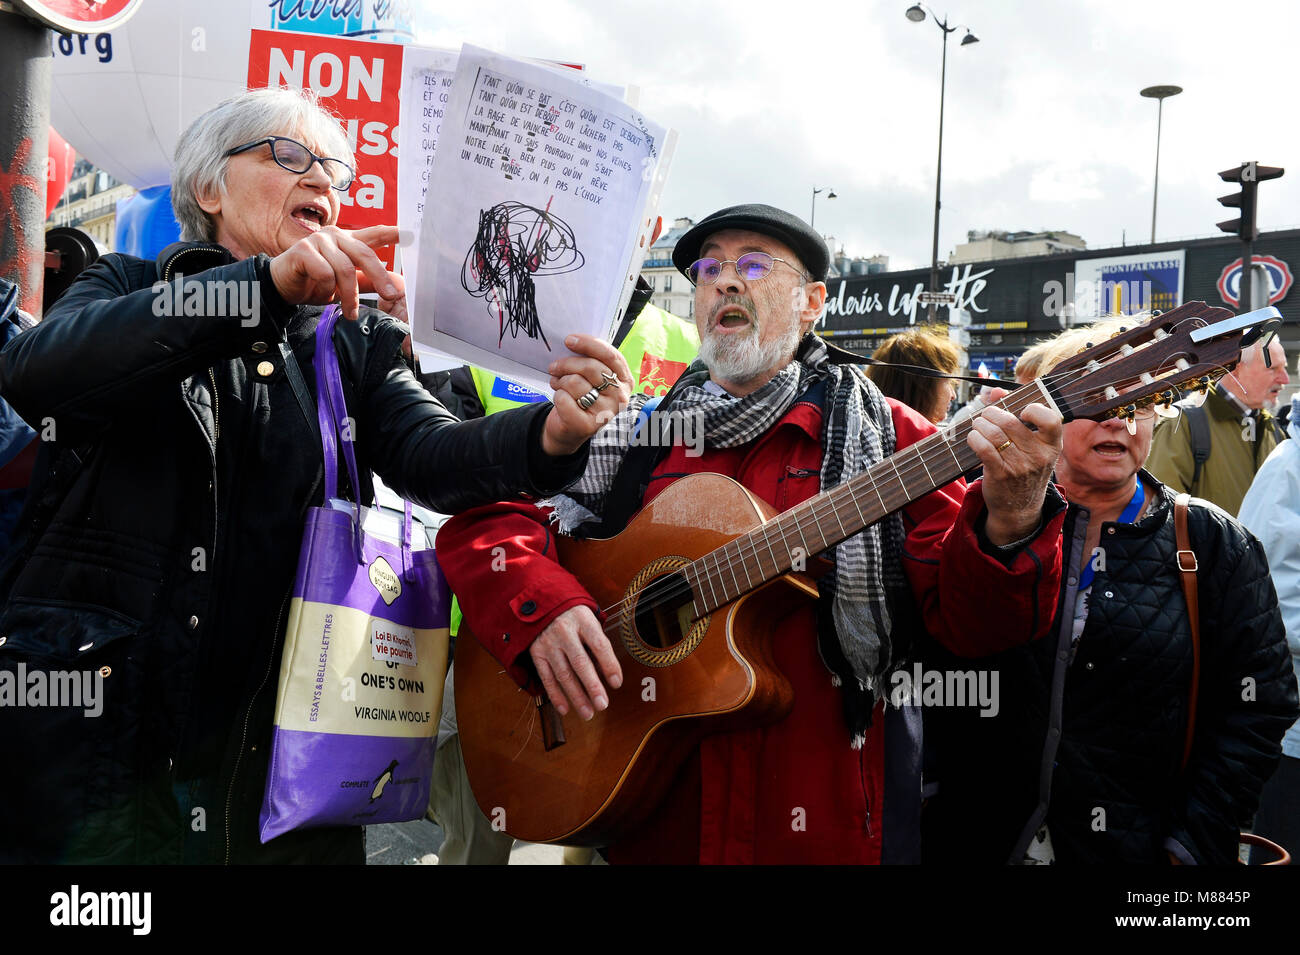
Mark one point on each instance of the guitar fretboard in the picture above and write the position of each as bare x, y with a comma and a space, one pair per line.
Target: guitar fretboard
821, 522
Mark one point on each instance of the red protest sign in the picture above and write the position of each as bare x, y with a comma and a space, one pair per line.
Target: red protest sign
360, 80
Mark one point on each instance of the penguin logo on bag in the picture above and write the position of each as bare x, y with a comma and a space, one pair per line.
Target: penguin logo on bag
385, 580
383, 779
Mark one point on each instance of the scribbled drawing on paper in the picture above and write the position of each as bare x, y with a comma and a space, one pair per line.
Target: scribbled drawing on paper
514, 243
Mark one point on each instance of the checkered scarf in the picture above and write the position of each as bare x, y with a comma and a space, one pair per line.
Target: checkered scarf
858, 432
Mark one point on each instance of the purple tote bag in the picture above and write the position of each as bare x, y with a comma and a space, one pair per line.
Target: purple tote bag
365, 655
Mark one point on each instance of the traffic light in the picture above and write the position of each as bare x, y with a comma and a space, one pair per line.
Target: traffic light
1249, 175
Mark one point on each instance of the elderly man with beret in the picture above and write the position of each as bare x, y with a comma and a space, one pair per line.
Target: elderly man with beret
788, 416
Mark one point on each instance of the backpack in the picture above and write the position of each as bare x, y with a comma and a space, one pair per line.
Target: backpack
1199, 423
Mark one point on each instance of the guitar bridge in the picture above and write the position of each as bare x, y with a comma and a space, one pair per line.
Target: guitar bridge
552, 725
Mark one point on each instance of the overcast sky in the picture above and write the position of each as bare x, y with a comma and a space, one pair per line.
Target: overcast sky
1044, 127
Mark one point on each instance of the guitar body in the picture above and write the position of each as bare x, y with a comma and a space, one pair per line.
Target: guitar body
682, 679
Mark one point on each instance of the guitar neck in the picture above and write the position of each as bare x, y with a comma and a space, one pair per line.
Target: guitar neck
787, 541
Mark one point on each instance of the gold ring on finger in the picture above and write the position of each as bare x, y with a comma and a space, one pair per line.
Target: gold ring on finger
1003, 446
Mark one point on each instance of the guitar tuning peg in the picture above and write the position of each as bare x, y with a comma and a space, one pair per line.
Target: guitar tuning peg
1131, 423
1196, 397
1165, 406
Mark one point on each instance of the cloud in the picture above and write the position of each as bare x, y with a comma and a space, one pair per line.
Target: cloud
1043, 125
1064, 182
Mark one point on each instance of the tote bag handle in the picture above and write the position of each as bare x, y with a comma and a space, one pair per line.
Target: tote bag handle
336, 431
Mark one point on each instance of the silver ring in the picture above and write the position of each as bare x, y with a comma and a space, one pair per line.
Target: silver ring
589, 399
606, 381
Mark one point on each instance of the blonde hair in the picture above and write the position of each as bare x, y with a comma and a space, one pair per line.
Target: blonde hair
1030, 360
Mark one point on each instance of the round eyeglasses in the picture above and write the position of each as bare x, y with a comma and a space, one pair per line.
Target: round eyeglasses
751, 267
294, 156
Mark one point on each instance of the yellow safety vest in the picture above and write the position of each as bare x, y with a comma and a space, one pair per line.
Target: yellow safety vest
658, 348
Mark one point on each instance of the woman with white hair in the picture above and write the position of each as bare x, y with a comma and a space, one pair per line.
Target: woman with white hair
1084, 759
161, 541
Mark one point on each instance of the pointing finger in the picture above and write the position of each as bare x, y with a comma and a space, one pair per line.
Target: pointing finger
376, 235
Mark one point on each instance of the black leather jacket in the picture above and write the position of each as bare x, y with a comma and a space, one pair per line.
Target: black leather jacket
1090, 739
161, 538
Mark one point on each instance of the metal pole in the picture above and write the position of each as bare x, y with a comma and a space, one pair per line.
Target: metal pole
938, 181
1155, 194
1243, 299
1159, 94
25, 66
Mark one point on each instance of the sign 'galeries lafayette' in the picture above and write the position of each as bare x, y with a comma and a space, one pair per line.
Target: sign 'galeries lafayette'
1015, 302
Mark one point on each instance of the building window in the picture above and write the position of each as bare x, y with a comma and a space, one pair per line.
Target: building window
691, 313
650, 280
668, 283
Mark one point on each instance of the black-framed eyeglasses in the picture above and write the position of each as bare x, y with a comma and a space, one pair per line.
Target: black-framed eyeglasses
751, 267
294, 156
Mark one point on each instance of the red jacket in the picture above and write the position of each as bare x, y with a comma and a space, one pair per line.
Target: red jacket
794, 791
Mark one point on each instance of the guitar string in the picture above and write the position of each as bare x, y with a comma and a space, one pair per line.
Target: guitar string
850, 490
720, 555
939, 440
724, 555
794, 519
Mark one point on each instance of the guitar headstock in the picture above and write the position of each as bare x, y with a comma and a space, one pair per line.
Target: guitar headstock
1148, 363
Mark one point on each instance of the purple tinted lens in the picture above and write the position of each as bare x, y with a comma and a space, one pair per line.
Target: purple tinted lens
753, 265
706, 271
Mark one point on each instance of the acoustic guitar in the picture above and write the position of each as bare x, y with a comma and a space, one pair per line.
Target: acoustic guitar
691, 587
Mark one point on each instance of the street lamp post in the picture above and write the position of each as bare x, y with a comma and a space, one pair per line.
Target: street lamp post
812, 219
916, 13
1159, 94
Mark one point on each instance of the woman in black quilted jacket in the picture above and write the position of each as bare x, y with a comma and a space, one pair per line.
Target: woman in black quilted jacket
158, 550
1082, 761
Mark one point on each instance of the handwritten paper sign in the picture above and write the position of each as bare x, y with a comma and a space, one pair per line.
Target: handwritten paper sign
542, 194
427, 76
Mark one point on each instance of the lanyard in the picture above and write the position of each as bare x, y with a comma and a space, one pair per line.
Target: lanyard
1130, 514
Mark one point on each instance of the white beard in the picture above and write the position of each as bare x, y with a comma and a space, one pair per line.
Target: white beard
741, 359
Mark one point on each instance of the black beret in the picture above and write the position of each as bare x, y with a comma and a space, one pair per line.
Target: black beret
756, 217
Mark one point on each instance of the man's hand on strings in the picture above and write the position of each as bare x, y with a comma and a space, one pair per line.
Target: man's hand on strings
571, 655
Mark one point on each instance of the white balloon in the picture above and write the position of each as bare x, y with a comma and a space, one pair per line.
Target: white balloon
122, 99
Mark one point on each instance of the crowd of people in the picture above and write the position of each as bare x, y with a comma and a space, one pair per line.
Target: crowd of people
1130, 724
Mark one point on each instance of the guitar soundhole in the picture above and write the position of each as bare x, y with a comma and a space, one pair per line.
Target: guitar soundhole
663, 612
661, 630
